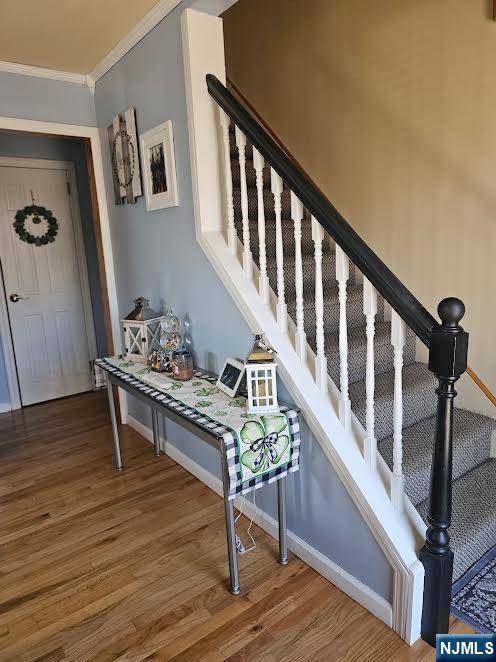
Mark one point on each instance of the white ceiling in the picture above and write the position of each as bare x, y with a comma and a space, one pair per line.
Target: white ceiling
67, 35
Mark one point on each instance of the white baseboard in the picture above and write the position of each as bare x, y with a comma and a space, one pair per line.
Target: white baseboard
350, 585
5, 407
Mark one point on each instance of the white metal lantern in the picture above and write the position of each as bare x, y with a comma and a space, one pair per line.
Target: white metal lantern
261, 379
142, 329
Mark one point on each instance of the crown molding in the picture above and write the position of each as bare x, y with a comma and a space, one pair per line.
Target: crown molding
41, 72
136, 34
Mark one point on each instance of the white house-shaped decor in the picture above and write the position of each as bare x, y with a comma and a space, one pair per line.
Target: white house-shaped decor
261, 379
142, 328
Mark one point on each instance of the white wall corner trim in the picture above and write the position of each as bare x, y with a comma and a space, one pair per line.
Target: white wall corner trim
136, 34
91, 84
350, 585
41, 72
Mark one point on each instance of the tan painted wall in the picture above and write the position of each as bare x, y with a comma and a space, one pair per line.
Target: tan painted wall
391, 106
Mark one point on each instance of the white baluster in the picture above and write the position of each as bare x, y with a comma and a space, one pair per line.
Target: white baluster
342, 275
370, 311
264, 290
247, 257
320, 359
301, 339
282, 311
398, 342
232, 239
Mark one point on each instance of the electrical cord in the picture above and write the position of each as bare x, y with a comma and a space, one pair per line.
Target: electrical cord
239, 543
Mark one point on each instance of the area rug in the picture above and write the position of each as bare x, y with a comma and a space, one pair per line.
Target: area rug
473, 598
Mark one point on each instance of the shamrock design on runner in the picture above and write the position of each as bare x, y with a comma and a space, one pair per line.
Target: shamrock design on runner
203, 403
205, 392
238, 402
126, 364
267, 445
172, 386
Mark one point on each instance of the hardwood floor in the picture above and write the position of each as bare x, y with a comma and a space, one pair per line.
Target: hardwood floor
101, 565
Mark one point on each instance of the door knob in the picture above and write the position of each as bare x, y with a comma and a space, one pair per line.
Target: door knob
16, 297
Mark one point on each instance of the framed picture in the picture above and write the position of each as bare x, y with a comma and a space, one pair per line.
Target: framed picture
159, 167
123, 145
231, 377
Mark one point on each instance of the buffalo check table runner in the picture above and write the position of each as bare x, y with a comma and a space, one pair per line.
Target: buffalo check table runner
259, 449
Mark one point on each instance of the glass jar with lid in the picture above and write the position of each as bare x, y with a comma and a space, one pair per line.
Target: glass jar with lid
170, 338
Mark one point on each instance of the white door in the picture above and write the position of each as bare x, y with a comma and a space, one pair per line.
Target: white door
43, 288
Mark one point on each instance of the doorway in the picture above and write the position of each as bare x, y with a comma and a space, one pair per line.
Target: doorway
45, 278
54, 267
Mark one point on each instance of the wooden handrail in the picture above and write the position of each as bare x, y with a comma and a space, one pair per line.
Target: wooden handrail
232, 85
478, 381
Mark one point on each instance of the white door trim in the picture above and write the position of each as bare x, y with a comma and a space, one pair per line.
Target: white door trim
8, 352
35, 126
69, 168
89, 319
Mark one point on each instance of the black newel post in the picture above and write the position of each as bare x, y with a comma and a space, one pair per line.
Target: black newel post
448, 361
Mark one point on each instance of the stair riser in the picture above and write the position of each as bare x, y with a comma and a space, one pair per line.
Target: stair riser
268, 205
473, 527
354, 312
468, 452
307, 245
308, 269
234, 150
357, 363
419, 402
251, 178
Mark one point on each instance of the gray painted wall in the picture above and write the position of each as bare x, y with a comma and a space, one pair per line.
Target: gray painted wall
46, 100
156, 255
45, 147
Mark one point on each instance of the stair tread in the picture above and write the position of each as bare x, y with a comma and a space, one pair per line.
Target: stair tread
357, 351
419, 398
473, 528
471, 447
354, 307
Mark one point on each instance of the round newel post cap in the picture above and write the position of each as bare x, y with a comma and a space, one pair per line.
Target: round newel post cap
451, 310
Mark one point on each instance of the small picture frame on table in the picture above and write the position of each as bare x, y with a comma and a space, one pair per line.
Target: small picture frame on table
231, 377
159, 167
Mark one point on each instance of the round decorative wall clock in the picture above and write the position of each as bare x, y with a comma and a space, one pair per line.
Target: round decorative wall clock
36, 225
119, 161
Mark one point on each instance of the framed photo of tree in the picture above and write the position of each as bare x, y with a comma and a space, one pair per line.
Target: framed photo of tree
159, 167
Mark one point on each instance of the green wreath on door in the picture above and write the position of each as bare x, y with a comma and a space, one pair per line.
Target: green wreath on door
38, 213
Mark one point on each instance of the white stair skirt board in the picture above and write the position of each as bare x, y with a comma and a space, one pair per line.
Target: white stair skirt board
350, 585
204, 53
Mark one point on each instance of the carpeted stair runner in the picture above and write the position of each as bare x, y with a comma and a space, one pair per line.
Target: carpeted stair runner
473, 530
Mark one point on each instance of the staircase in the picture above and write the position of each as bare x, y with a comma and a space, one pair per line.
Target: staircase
474, 472
346, 331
